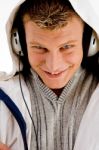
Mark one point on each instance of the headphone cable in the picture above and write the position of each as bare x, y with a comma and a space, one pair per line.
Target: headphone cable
25, 100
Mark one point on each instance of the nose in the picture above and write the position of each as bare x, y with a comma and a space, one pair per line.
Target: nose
54, 62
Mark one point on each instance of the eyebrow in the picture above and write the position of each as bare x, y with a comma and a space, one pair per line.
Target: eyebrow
36, 43
68, 42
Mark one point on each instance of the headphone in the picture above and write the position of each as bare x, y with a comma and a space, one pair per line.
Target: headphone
93, 46
15, 41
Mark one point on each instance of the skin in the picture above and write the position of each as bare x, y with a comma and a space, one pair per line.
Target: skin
3, 147
55, 54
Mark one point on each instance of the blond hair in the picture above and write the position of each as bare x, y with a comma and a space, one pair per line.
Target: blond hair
50, 15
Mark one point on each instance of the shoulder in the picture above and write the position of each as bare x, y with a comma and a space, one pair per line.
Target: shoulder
87, 75
14, 91
12, 86
12, 82
87, 82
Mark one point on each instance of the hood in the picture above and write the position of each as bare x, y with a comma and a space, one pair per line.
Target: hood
86, 9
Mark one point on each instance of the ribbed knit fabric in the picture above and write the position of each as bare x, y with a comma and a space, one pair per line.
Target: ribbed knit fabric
56, 119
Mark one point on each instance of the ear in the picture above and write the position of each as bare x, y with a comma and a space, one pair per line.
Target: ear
94, 45
16, 43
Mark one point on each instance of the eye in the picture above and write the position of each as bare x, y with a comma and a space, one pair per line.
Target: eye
67, 46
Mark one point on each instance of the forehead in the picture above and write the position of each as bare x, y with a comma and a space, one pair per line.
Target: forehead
74, 27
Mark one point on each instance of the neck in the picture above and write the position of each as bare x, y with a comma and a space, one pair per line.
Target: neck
57, 91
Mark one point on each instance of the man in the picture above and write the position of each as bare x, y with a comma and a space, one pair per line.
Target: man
54, 82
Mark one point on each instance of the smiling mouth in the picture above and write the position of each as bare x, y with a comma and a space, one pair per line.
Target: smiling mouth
54, 75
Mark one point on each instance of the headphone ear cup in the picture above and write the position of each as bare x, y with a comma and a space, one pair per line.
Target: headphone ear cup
93, 46
16, 43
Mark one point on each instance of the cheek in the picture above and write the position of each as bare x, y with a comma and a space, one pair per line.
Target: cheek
35, 59
74, 58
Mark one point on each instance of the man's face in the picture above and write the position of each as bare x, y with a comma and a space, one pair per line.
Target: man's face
55, 54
